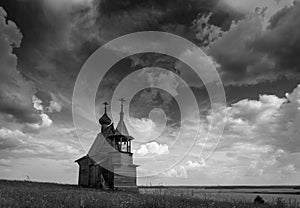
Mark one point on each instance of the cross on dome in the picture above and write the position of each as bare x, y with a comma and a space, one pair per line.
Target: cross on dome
105, 120
105, 104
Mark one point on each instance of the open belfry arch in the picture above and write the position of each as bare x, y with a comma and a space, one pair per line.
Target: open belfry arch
109, 162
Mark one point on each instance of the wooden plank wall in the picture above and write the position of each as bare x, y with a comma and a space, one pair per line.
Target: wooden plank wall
83, 172
125, 176
121, 158
124, 181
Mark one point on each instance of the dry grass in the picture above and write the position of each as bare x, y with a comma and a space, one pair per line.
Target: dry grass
33, 194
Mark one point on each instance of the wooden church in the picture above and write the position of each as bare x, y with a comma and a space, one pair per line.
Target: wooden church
109, 162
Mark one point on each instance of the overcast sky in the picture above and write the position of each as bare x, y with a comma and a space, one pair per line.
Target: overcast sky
253, 44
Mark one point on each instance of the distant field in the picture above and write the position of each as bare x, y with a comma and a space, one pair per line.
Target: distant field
243, 193
33, 194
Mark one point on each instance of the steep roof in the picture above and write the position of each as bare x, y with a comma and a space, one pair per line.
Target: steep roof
121, 128
100, 149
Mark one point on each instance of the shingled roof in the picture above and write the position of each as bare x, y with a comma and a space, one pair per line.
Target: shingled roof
121, 128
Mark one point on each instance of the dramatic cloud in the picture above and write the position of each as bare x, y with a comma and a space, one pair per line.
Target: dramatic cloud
249, 53
15, 91
247, 7
46, 121
173, 16
58, 36
269, 121
263, 133
55, 105
206, 33
54, 46
281, 40
238, 62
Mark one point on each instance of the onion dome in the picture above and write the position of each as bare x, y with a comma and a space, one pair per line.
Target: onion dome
105, 120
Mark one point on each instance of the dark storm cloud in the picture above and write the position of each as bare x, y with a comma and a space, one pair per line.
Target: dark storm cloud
154, 60
18, 112
41, 30
248, 54
35, 20
58, 36
15, 91
58, 41
121, 17
169, 11
281, 42
199, 21
239, 63
148, 99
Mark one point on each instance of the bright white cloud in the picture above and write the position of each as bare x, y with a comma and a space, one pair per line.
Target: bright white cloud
261, 110
143, 125
46, 122
37, 103
196, 164
146, 130
45, 119
55, 104
152, 148
179, 172
182, 171
260, 143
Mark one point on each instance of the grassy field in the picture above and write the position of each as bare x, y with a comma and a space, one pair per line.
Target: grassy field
33, 194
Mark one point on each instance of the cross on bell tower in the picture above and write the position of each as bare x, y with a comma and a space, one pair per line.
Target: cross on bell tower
105, 104
121, 125
122, 100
